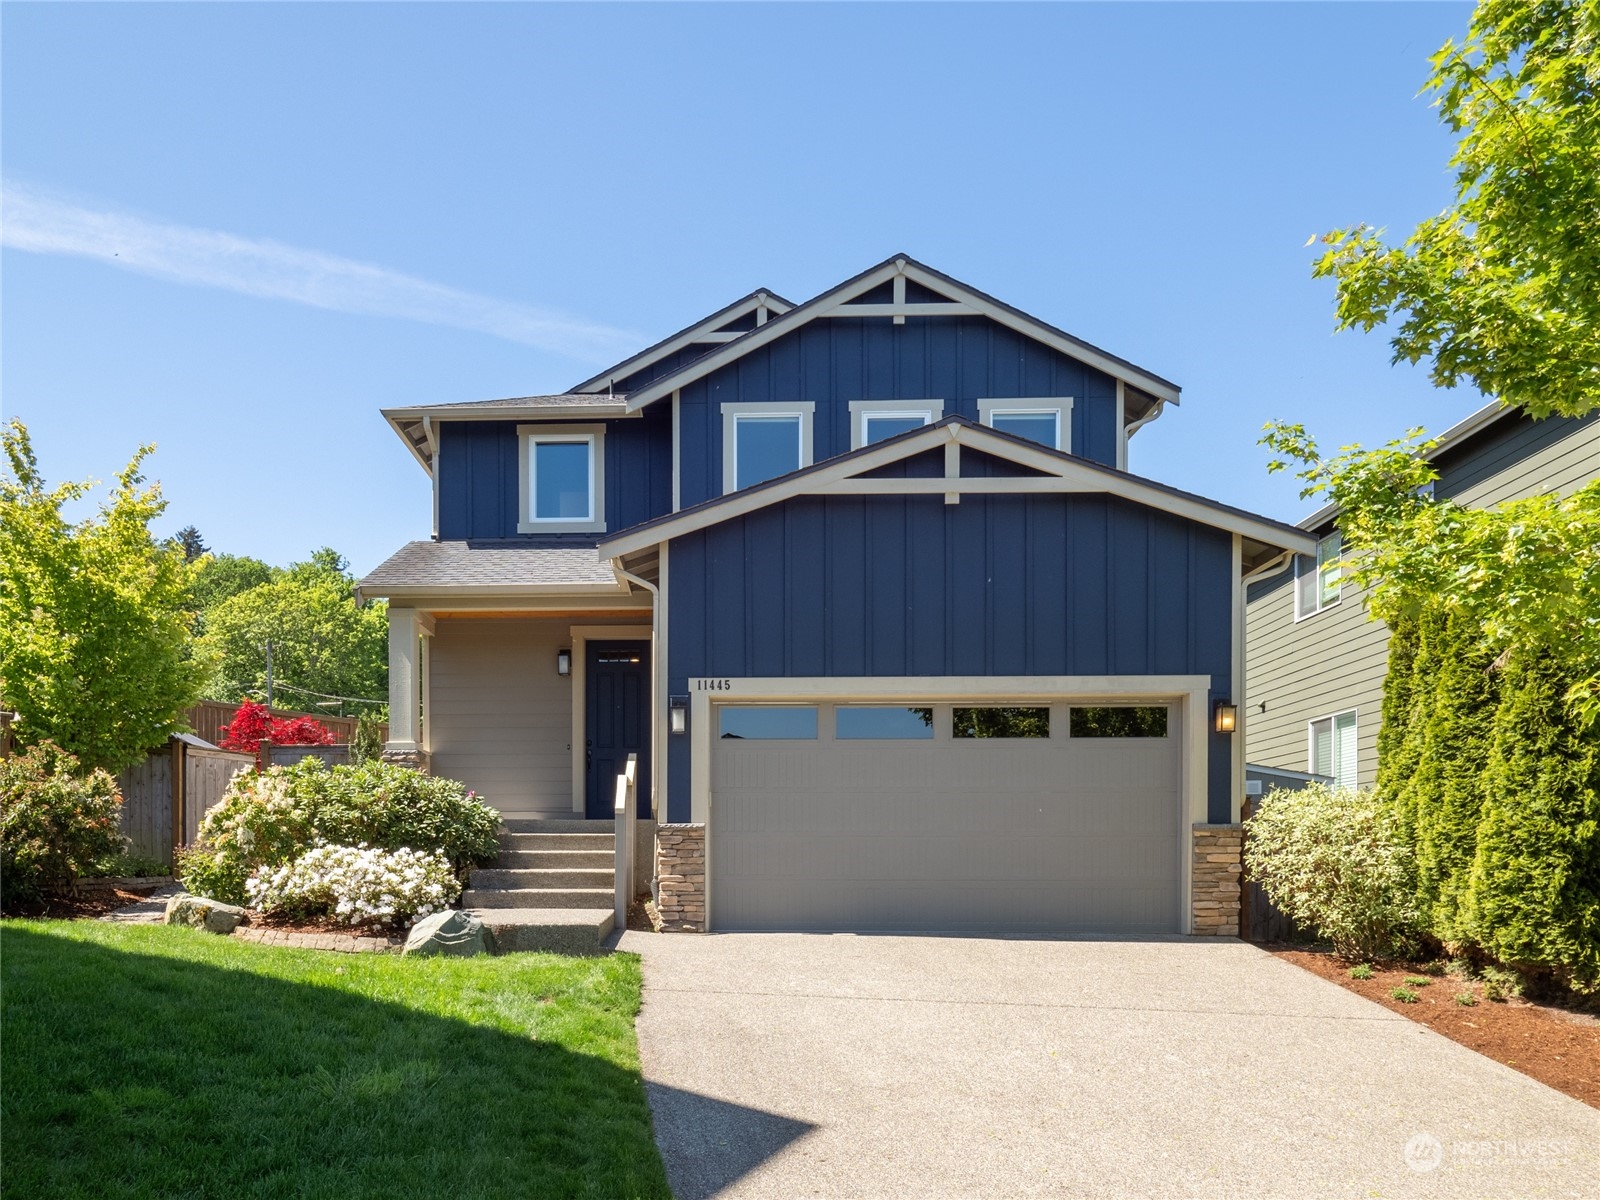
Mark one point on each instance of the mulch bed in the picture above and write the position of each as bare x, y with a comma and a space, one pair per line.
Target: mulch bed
1556, 1046
89, 903
261, 920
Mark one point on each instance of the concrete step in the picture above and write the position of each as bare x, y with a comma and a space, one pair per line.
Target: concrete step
528, 860
538, 898
557, 841
553, 930
498, 878
556, 825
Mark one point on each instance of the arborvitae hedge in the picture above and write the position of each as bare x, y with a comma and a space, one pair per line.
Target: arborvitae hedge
1535, 883
1495, 788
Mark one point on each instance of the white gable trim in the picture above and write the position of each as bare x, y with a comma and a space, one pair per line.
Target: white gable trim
963, 301
761, 303
1059, 474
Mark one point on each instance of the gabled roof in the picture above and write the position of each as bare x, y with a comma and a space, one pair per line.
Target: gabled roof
763, 303
415, 423
1149, 391
1057, 471
1490, 414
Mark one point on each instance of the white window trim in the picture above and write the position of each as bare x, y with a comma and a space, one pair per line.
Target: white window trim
1311, 740
802, 410
595, 436
1300, 572
860, 410
988, 409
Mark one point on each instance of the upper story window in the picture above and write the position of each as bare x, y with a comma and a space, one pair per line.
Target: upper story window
561, 476
763, 441
873, 421
1043, 419
1332, 749
1318, 581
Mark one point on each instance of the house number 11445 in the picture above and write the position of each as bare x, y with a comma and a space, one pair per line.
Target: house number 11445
713, 685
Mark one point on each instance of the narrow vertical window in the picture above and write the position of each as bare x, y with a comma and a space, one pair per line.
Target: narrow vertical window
1333, 748
1319, 581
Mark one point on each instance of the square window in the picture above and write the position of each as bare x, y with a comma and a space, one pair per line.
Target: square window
880, 427
1041, 427
1001, 723
762, 441
562, 479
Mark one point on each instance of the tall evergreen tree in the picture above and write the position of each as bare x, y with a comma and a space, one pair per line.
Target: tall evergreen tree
1535, 886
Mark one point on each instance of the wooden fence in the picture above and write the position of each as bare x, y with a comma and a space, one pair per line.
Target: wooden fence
1260, 920
209, 718
165, 796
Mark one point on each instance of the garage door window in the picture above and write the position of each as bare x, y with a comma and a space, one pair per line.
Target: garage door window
1001, 723
883, 723
770, 722
1110, 721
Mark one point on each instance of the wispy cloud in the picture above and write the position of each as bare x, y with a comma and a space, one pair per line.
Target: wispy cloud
34, 221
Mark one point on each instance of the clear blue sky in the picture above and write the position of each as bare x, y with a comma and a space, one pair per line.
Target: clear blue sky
238, 231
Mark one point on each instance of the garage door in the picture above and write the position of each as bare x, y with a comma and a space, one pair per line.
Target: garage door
938, 818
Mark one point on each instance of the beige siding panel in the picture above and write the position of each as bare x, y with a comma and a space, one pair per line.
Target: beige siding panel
501, 719
1329, 663
1336, 660
1561, 468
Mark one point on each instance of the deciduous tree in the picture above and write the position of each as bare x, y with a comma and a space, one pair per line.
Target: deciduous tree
1502, 289
94, 632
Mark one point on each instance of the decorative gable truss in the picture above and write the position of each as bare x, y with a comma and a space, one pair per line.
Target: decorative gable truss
961, 442
728, 324
901, 287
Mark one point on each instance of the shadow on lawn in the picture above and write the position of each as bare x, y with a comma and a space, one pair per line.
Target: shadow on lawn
131, 1074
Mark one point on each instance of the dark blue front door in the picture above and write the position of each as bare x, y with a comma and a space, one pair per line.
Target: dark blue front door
617, 682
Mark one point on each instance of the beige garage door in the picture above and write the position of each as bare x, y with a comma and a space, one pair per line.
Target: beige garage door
946, 818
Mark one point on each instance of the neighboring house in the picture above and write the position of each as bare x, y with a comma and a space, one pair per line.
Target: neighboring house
1317, 661
866, 584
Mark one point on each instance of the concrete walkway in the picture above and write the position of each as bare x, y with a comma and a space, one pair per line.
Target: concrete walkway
788, 1065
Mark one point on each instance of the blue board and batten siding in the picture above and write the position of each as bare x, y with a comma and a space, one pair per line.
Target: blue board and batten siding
831, 362
478, 474
1048, 584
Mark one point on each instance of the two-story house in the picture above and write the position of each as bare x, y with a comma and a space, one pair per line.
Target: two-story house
1317, 660
866, 583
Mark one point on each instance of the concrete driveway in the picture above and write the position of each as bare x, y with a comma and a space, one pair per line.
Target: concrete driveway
791, 1065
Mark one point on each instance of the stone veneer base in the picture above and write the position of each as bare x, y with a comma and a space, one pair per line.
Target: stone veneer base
417, 760
1215, 880
681, 877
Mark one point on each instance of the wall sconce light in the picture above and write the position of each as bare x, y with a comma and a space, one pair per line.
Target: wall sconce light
677, 714
1227, 716
563, 663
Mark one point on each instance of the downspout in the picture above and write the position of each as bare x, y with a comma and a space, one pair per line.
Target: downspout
657, 752
1271, 567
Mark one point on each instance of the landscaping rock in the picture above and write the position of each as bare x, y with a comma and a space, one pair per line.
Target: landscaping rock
199, 912
451, 932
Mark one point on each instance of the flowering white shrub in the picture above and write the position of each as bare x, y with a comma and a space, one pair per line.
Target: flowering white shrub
357, 885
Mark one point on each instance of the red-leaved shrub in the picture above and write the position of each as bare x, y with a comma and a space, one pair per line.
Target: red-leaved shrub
254, 722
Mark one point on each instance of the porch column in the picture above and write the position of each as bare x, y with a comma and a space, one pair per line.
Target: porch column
407, 629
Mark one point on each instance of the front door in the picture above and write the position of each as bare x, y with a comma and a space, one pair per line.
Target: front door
617, 723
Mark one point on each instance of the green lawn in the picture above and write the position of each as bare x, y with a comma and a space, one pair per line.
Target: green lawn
164, 1062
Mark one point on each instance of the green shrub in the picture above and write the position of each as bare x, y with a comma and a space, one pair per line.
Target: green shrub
366, 745
270, 818
1404, 995
56, 821
1332, 859
1536, 873
1361, 971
